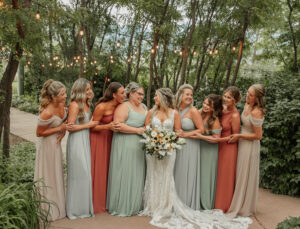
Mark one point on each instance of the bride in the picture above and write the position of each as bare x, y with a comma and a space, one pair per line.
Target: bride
160, 199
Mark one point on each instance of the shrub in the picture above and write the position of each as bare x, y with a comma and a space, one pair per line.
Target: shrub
280, 152
19, 196
291, 223
25, 103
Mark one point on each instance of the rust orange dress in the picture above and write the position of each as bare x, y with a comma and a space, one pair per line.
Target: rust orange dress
226, 165
100, 154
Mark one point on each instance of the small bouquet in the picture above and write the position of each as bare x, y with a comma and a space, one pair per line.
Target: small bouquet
161, 142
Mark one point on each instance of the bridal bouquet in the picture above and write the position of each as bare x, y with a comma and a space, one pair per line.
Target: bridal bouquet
161, 142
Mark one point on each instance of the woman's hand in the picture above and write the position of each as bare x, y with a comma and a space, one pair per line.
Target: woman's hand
233, 138
92, 123
141, 130
114, 126
60, 137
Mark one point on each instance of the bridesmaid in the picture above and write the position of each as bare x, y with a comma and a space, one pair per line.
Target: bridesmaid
79, 185
127, 163
227, 151
49, 162
211, 113
187, 164
247, 172
101, 137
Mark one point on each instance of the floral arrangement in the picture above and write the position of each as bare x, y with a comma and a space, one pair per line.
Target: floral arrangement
161, 142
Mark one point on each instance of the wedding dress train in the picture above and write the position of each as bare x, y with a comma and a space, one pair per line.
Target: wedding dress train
164, 206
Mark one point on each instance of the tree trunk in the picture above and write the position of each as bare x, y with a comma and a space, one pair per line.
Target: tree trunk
129, 51
155, 43
237, 67
139, 53
294, 42
188, 42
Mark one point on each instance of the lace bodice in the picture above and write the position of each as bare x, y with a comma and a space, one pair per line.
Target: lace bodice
167, 124
249, 122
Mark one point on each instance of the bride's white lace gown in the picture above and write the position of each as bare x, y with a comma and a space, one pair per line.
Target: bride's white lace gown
164, 206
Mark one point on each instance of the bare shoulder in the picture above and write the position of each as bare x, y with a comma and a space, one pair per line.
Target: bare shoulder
100, 107
236, 115
194, 111
122, 107
46, 114
257, 113
73, 106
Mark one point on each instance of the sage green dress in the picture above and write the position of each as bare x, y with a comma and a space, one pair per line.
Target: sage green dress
187, 167
209, 170
127, 170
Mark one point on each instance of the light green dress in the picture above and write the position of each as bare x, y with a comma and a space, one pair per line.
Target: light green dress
187, 167
126, 170
209, 171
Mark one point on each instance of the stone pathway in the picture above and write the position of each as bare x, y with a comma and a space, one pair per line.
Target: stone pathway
272, 208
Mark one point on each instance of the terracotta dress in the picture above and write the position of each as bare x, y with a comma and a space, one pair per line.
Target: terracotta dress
100, 154
245, 196
226, 165
49, 167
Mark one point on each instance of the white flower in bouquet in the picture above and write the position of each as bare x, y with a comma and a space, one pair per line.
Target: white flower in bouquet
153, 133
181, 141
162, 152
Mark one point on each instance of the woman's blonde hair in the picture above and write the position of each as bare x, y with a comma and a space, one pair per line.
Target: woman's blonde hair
260, 97
78, 94
166, 98
178, 97
50, 88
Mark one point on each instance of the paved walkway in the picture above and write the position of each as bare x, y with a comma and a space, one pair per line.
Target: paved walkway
272, 208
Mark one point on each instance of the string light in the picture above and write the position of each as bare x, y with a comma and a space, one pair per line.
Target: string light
175, 51
210, 52
112, 61
180, 53
37, 15
118, 43
157, 46
128, 60
50, 64
135, 52
194, 53
43, 65
71, 64
233, 48
84, 58
216, 51
152, 51
96, 73
1, 3
95, 62
28, 62
111, 57
76, 61
95, 82
3, 48
81, 32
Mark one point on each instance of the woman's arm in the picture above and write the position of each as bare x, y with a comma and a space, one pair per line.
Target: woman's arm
73, 112
198, 121
148, 118
43, 131
257, 135
213, 138
121, 115
97, 116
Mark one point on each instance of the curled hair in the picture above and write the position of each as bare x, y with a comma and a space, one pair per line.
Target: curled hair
50, 88
260, 97
166, 98
215, 101
132, 87
178, 97
234, 92
109, 92
78, 94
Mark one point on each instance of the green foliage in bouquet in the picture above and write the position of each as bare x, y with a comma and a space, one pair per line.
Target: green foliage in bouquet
290, 223
280, 152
